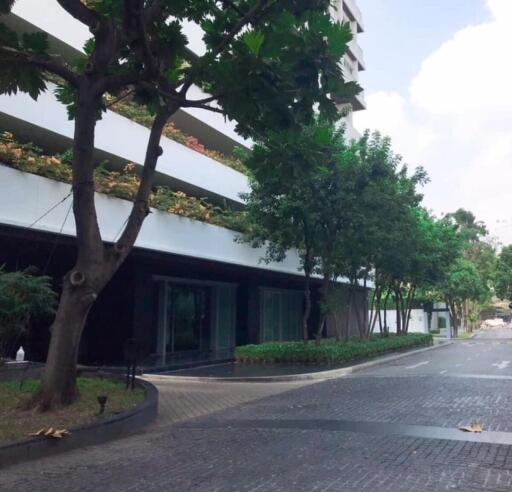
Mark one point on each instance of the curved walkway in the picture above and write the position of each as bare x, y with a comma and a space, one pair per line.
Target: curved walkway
179, 401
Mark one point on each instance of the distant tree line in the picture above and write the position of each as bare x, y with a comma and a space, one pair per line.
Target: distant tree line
353, 210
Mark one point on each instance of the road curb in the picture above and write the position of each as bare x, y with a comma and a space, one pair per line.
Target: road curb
115, 427
312, 376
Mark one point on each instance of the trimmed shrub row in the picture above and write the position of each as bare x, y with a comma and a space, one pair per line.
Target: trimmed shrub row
329, 351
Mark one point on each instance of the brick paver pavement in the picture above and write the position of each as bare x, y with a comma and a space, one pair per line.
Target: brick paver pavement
180, 401
206, 438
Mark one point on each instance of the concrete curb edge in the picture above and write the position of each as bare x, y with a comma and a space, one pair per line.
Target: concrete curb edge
115, 427
312, 376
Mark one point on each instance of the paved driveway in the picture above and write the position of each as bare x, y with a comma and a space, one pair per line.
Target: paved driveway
392, 427
501, 332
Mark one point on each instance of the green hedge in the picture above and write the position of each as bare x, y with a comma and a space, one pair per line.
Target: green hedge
329, 351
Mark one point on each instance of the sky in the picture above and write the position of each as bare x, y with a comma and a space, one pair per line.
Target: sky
438, 81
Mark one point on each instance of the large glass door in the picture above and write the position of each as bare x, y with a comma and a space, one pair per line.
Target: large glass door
188, 320
196, 321
281, 315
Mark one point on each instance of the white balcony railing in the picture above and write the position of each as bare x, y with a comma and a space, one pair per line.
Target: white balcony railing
125, 140
25, 197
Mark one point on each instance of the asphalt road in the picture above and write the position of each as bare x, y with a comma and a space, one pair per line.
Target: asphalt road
392, 427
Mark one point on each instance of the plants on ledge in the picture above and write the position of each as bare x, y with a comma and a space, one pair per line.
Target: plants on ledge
121, 184
140, 115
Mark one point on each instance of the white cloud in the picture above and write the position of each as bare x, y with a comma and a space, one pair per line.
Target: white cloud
456, 120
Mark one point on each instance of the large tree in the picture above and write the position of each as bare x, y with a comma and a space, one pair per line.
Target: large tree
480, 250
503, 275
282, 209
462, 283
267, 64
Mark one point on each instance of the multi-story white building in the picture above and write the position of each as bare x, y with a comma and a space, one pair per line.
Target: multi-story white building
353, 61
188, 290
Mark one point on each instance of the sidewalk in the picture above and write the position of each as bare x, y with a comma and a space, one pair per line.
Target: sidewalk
179, 401
182, 398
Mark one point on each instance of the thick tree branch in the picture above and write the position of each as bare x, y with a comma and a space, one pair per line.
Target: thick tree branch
44, 62
153, 11
135, 30
206, 99
80, 12
213, 109
140, 207
180, 101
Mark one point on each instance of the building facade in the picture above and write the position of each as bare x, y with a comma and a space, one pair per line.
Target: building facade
353, 61
189, 292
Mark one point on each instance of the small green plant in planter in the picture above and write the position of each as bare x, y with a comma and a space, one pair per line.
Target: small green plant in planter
23, 295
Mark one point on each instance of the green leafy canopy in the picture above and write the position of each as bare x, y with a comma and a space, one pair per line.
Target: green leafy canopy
267, 63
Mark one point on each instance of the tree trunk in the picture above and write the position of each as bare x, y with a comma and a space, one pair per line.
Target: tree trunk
362, 326
337, 328
323, 310
59, 382
375, 309
349, 315
95, 264
398, 314
307, 305
453, 315
408, 307
386, 299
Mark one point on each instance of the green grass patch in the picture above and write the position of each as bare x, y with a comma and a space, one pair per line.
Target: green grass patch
464, 334
329, 351
17, 422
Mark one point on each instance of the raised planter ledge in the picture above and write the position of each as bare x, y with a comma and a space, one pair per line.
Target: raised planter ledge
120, 425
379, 359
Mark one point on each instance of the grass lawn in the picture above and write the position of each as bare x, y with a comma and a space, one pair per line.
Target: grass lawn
464, 334
329, 351
16, 422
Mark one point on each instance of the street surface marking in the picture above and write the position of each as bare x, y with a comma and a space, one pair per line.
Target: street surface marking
418, 365
502, 365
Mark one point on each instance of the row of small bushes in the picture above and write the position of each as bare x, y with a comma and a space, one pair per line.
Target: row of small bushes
329, 351
121, 184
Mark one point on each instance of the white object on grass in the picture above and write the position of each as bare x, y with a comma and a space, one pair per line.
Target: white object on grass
20, 355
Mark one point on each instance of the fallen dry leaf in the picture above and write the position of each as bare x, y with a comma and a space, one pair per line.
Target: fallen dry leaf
40, 432
474, 427
51, 432
60, 433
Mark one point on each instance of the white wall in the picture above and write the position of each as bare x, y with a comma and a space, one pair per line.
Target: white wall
127, 140
419, 320
25, 197
417, 324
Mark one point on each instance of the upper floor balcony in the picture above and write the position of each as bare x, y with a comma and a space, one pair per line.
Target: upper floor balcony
67, 37
352, 11
120, 140
356, 53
